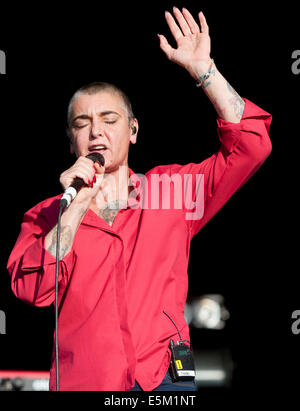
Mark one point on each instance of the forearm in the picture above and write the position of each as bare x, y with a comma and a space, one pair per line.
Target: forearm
70, 222
228, 104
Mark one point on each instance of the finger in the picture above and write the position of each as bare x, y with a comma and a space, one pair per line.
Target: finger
165, 46
98, 168
182, 21
85, 165
83, 168
90, 166
99, 180
191, 21
85, 161
86, 177
175, 30
203, 23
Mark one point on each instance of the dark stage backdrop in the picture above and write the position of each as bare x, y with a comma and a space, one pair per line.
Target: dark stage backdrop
248, 252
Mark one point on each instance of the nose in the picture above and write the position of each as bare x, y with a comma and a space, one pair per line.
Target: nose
96, 130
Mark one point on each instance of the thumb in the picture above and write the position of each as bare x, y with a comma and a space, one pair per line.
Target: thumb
165, 46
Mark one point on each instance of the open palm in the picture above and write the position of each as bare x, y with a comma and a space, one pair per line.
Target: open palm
193, 42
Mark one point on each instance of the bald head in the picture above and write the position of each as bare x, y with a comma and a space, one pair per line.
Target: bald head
95, 88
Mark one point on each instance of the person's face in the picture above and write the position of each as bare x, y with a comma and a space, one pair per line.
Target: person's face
101, 119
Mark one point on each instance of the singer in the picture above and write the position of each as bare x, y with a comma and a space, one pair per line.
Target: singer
123, 265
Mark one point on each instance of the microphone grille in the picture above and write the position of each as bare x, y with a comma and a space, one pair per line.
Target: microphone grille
96, 157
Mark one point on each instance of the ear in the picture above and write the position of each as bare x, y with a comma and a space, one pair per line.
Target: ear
134, 130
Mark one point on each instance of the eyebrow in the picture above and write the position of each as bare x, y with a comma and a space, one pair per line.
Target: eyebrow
101, 114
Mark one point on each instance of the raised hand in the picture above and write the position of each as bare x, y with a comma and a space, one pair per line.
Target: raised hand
193, 41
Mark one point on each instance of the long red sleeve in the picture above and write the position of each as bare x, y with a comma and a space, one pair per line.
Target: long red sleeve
244, 148
31, 266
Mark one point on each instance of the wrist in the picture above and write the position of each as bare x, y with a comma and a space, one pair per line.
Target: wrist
78, 207
198, 68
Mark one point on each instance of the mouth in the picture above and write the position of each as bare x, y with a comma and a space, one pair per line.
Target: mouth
100, 148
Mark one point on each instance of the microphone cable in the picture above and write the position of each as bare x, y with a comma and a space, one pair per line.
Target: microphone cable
61, 208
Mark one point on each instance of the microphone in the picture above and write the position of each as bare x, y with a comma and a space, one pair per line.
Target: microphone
71, 192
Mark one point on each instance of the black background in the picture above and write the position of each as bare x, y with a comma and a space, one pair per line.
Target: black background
248, 251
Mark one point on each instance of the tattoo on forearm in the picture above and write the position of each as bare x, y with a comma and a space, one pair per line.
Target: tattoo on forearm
65, 241
111, 210
237, 102
207, 83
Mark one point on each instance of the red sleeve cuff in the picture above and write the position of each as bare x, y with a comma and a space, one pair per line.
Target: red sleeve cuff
230, 133
37, 257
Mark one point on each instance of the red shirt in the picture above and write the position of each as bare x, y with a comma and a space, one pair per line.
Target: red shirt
117, 280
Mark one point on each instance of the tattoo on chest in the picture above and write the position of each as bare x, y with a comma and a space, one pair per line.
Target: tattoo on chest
111, 210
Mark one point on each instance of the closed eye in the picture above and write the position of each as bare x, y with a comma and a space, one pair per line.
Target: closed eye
76, 126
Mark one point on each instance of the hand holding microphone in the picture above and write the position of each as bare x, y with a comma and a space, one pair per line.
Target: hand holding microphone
82, 176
